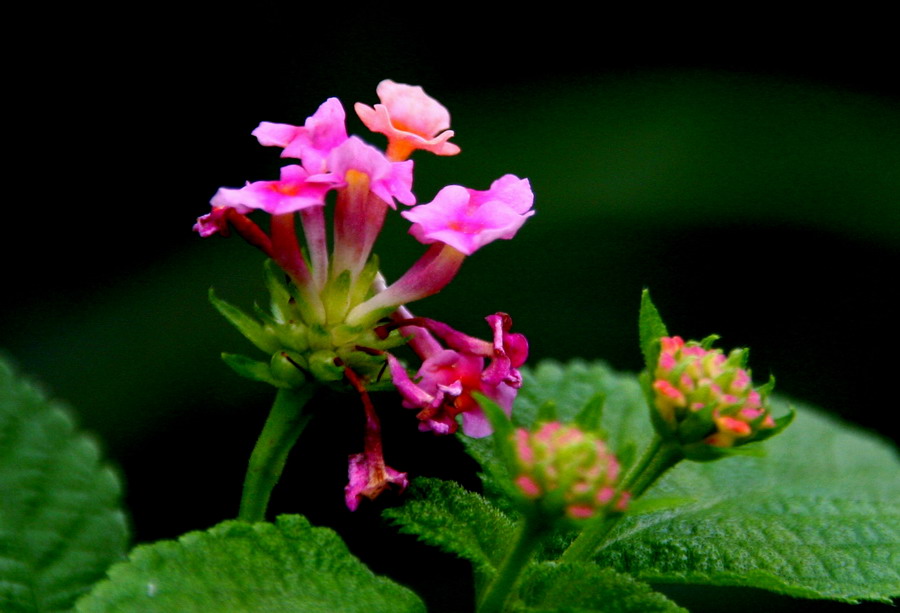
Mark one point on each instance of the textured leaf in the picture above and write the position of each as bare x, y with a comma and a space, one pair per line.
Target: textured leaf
817, 516
60, 523
247, 568
550, 587
443, 514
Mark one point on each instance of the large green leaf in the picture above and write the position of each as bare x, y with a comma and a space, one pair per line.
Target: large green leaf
247, 568
817, 516
549, 587
60, 522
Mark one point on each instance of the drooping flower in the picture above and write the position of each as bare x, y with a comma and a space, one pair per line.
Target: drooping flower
705, 399
410, 118
564, 471
468, 219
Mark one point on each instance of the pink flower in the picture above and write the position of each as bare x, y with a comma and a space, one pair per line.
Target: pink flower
354, 160
410, 118
292, 192
323, 131
368, 479
706, 398
448, 378
446, 382
468, 219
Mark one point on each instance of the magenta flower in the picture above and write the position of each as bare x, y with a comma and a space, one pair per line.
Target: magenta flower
448, 378
292, 192
468, 219
410, 118
323, 131
354, 161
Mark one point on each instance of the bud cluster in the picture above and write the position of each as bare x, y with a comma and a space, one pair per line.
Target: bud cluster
703, 397
566, 471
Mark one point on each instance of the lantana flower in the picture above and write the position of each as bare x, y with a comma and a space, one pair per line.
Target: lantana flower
705, 399
564, 471
444, 385
468, 219
329, 306
313, 142
410, 118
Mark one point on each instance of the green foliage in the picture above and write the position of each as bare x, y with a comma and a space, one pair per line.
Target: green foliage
650, 328
551, 587
443, 514
60, 522
247, 568
817, 516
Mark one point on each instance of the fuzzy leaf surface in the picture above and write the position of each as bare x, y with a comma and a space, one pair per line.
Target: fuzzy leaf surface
246, 568
443, 514
61, 525
817, 516
549, 587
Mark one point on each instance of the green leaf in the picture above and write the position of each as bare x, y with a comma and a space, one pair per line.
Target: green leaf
651, 328
252, 369
60, 522
443, 514
246, 325
551, 587
247, 568
818, 516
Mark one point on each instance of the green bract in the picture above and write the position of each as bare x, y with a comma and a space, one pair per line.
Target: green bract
300, 344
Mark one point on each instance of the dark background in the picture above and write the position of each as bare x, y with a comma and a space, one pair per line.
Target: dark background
743, 167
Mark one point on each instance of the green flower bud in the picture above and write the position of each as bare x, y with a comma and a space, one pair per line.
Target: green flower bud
564, 471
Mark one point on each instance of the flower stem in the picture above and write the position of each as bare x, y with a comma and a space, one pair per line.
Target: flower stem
285, 423
657, 459
495, 598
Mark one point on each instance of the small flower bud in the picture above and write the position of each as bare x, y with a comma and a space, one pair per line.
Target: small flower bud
705, 399
565, 472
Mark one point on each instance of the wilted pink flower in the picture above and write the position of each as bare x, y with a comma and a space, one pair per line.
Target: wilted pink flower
368, 479
468, 219
410, 118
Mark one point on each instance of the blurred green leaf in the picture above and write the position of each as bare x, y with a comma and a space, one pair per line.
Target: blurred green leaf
247, 568
61, 525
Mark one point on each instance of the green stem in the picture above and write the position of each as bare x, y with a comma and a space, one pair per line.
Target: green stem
285, 423
531, 529
657, 459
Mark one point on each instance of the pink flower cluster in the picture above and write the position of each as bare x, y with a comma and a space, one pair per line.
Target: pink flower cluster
342, 296
703, 395
448, 378
566, 471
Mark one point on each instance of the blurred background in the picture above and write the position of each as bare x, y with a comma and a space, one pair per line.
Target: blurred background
745, 169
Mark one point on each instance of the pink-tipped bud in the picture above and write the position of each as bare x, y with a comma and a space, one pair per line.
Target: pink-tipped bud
704, 398
565, 472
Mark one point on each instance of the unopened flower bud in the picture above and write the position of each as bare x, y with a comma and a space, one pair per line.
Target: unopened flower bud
705, 399
565, 471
